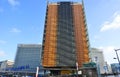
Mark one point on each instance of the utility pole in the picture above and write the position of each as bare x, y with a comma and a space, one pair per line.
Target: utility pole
117, 55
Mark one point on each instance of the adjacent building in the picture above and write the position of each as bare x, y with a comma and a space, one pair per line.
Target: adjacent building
6, 65
65, 38
96, 55
115, 67
28, 57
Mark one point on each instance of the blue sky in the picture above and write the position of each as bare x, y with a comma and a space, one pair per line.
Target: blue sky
22, 22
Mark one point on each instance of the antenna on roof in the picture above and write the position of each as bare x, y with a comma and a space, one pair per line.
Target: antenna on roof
83, 3
47, 1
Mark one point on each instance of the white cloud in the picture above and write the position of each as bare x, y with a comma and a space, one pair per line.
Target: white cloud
2, 42
109, 54
13, 2
114, 24
15, 30
39, 42
2, 53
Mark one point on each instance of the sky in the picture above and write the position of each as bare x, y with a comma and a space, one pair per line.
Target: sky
22, 22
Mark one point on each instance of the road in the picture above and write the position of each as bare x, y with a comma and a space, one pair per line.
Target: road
113, 76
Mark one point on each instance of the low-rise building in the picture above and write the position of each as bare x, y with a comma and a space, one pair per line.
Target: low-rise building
6, 65
115, 67
96, 55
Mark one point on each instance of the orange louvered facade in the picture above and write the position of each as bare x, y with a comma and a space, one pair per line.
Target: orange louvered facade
49, 55
80, 35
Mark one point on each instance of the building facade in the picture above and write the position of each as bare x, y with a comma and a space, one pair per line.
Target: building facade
28, 57
65, 38
115, 67
97, 53
6, 65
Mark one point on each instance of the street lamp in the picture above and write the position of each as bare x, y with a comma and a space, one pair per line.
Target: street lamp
117, 55
97, 66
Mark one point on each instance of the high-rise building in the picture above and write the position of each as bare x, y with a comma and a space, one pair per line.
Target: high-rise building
65, 40
28, 57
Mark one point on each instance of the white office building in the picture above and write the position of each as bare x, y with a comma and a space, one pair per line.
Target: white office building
96, 55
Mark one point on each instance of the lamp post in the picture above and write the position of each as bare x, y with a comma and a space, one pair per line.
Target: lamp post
97, 66
77, 69
37, 71
117, 55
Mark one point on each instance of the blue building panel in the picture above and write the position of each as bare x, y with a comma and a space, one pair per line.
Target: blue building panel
115, 67
28, 57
